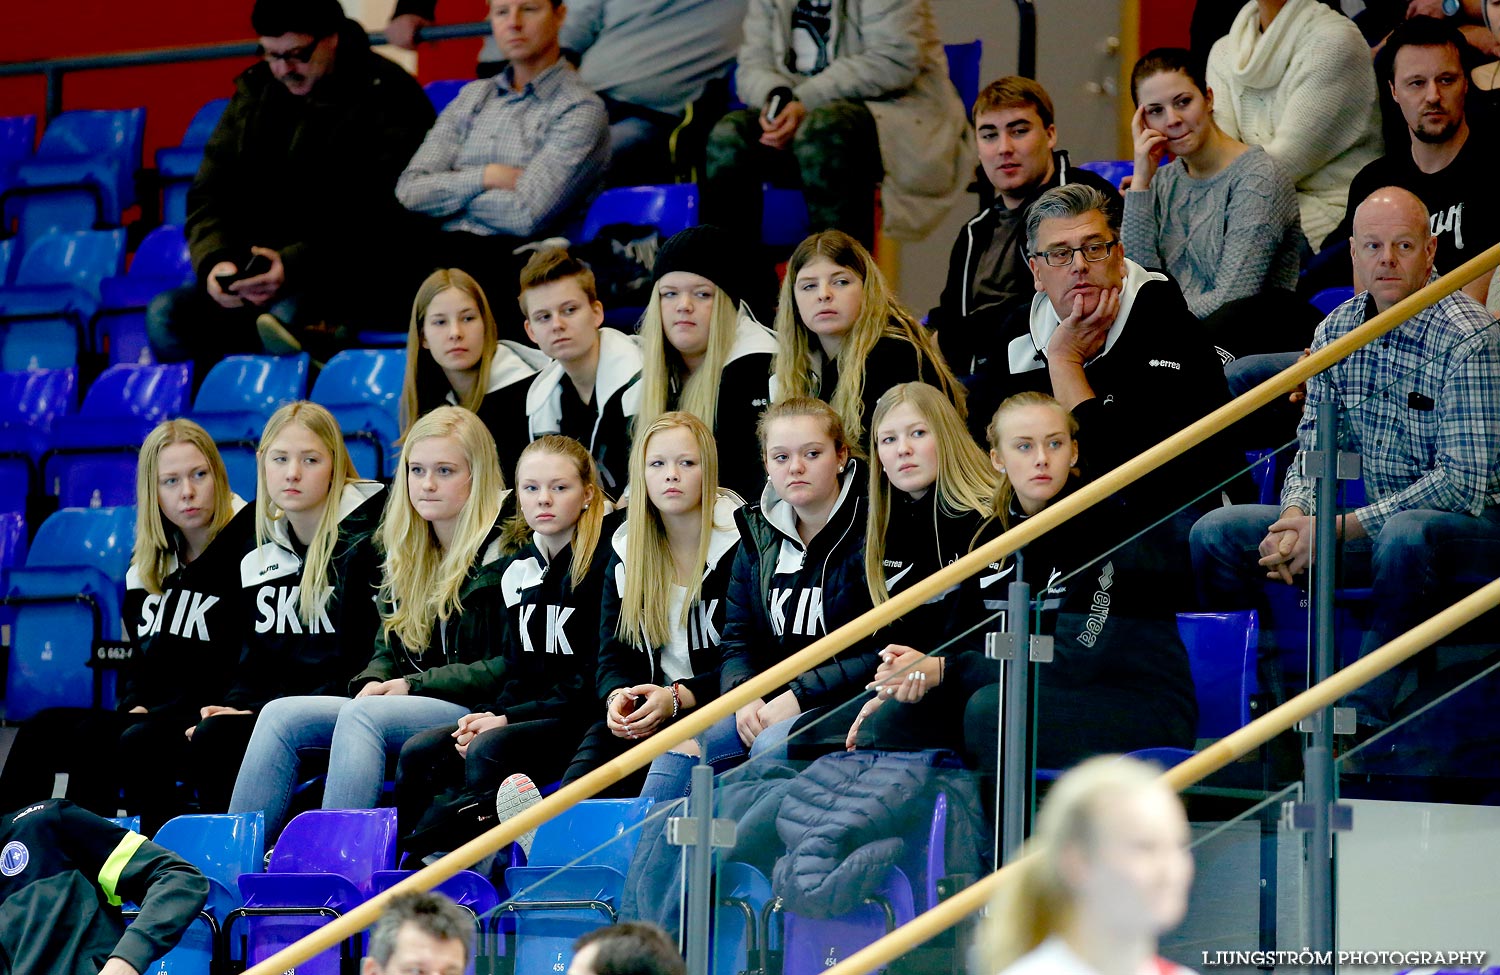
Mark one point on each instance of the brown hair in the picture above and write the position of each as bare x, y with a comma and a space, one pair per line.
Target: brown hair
425, 386
804, 406
555, 264
1013, 91
590, 526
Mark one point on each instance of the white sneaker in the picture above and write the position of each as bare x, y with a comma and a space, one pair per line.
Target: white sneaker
514, 795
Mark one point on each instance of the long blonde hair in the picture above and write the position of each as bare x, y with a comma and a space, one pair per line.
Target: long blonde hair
662, 367
420, 579
590, 524
157, 541
321, 424
965, 479
425, 385
1005, 491
880, 315
1037, 903
650, 572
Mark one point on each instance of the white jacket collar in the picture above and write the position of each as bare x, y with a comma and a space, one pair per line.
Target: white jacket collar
1026, 352
355, 494
750, 337
619, 363
723, 540
511, 363
783, 517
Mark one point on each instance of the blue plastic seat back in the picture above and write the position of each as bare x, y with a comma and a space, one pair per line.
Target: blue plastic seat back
1263, 474
132, 823
440, 93
7, 255
12, 539
814, 944
743, 892
963, 70
594, 828
784, 219
1114, 170
353, 843
1328, 299
669, 208
204, 121
222, 846
81, 258
1222, 651
34, 398
102, 480
147, 393
361, 388
115, 134
242, 391
17, 139
100, 538
467, 889
163, 254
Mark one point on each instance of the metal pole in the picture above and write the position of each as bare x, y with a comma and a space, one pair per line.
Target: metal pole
1015, 716
700, 875
53, 107
1318, 758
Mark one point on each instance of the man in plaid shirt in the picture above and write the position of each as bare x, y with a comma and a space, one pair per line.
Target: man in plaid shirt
1421, 406
512, 158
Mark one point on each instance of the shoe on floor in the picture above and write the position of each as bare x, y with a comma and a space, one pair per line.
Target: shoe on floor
275, 336
514, 795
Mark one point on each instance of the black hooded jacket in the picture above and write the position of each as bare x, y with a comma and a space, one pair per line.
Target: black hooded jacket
784, 595
281, 655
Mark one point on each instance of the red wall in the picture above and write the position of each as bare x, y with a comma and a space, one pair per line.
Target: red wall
35, 29
1164, 23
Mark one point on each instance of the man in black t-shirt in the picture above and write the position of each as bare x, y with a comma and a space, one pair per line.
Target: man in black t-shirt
989, 281
1448, 165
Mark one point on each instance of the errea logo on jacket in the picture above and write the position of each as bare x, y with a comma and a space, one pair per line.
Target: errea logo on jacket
1098, 607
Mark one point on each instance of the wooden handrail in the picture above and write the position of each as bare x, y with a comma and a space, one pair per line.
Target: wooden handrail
701, 719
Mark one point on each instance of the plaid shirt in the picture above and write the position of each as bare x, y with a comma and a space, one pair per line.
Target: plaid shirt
554, 130
1421, 405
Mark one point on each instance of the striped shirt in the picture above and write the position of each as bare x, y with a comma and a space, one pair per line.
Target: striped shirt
1421, 406
554, 130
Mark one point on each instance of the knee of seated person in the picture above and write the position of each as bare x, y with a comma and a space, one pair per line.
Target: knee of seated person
1404, 530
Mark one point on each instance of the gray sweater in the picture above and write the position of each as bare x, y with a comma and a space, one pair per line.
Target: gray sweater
1226, 237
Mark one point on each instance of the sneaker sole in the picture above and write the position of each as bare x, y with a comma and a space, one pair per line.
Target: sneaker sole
515, 794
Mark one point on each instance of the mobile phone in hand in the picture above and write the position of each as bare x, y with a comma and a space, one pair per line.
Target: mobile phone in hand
779, 99
257, 265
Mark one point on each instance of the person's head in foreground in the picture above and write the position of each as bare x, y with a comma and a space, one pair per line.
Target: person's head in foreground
1107, 872
423, 932
1393, 246
631, 948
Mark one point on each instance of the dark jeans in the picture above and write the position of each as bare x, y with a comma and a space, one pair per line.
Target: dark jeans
1420, 562
186, 324
834, 157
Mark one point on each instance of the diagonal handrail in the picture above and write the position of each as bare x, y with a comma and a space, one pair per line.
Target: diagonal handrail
701, 719
1221, 753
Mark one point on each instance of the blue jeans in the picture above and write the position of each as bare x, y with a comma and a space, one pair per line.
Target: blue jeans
671, 775
359, 734
1420, 562
1248, 372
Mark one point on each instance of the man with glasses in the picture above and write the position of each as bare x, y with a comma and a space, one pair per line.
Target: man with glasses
292, 219
1114, 343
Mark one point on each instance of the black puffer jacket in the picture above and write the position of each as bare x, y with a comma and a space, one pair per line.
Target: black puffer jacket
783, 596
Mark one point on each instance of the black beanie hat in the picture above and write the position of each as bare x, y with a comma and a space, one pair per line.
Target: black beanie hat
704, 250
319, 18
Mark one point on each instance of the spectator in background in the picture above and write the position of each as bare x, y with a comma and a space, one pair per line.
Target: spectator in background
513, 157
1428, 452
66, 872
1116, 345
423, 932
1484, 88
845, 96
648, 60
1295, 77
1221, 217
298, 175
1446, 163
989, 283
631, 948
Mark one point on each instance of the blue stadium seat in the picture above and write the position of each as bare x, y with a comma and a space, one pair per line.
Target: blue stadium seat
222, 846
66, 598
161, 263
743, 893
12, 539
82, 175
132, 823
7, 253
1328, 299
1222, 650
45, 312
361, 387
784, 220
470, 891
177, 165
29, 403
811, 944
237, 397
440, 93
1114, 170
668, 207
963, 70
573, 879
17, 142
91, 459
323, 864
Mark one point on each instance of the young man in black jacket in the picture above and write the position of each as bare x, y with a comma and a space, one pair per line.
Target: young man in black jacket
988, 282
1117, 346
63, 875
300, 173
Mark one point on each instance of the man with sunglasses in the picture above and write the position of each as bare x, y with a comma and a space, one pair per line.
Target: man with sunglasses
293, 223
1115, 344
